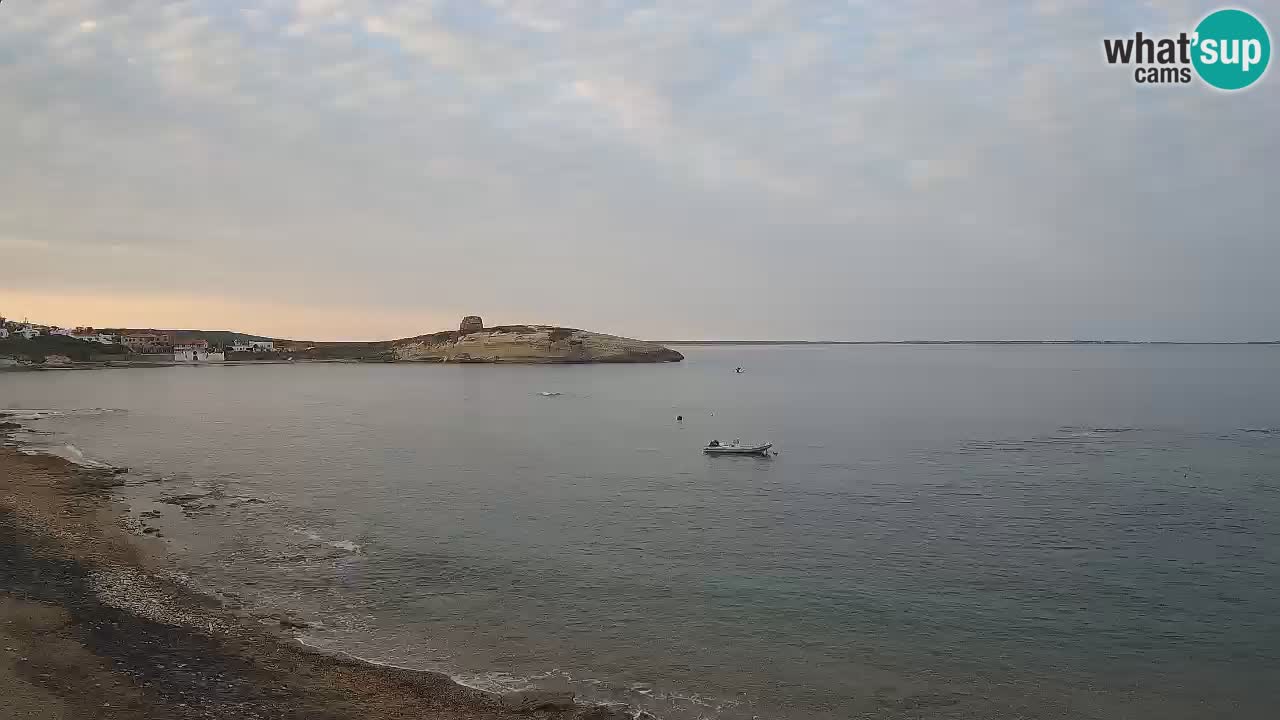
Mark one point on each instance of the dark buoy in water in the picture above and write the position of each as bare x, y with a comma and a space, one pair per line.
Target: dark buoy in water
738, 370
679, 418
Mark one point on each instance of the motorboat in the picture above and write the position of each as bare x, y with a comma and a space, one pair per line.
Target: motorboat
715, 447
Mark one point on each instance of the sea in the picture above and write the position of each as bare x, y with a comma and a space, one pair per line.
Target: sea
946, 531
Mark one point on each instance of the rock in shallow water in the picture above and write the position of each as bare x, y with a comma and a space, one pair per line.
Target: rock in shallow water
531, 700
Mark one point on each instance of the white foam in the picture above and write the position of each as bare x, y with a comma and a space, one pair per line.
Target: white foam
70, 453
498, 682
348, 545
31, 414
316, 644
493, 682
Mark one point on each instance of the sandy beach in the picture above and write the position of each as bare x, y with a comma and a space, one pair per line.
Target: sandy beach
94, 625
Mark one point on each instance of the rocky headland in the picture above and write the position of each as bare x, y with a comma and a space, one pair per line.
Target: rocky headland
472, 342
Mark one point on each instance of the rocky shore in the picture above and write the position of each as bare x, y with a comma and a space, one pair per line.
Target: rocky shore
94, 624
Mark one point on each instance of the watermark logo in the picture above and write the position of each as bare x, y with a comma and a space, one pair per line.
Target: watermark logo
1229, 50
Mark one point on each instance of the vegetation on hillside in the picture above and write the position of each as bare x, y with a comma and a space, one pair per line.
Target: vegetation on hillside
215, 338
38, 348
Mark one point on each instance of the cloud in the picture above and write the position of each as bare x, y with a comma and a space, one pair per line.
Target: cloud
879, 170
634, 107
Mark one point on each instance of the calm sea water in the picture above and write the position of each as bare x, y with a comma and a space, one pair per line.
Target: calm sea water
947, 531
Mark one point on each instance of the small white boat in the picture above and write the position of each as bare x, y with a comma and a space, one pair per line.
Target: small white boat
736, 448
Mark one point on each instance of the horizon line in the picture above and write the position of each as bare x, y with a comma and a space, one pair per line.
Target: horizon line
706, 341
967, 342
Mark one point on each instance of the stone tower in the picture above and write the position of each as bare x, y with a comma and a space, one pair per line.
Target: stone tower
470, 324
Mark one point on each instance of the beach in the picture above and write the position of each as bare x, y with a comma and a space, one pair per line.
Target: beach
94, 625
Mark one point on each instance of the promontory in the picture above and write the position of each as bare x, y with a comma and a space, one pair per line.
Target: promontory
472, 342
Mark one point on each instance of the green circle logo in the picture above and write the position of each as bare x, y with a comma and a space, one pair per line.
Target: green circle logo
1232, 49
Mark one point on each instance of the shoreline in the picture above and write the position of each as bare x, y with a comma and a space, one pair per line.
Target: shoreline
140, 364
95, 624
136, 364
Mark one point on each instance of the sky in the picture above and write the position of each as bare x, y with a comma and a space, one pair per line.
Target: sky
665, 169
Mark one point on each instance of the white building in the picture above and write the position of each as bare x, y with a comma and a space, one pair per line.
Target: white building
28, 332
101, 338
252, 346
65, 332
4, 332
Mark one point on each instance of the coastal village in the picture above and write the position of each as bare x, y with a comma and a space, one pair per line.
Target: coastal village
30, 343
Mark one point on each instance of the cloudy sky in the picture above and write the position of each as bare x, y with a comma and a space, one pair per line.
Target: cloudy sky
348, 169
